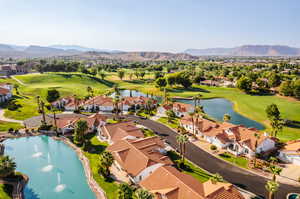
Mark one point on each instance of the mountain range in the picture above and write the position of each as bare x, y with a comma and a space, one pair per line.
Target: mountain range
34, 51
247, 50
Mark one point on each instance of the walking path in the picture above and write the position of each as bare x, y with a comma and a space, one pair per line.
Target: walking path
3, 118
19, 81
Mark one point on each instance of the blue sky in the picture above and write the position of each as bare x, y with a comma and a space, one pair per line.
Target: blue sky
150, 25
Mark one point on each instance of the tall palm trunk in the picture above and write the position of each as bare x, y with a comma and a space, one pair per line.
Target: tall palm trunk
43, 112
271, 195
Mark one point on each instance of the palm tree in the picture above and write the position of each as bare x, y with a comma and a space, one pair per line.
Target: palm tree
257, 136
54, 117
143, 194
182, 139
193, 121
43, 111
91, 93
216, 178
226, 118
124, 191
7, 166
75, 102
116, 102
106, 160
197, 99
38, 103
121, 74
275, 171
272, 187
102, 75
80, 129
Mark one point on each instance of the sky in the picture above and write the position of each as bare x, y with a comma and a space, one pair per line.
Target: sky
150, 25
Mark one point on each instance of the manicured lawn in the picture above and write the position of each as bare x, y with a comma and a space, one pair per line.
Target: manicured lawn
173, 124
5, 126
6, 191
92, 153
67, 84
190, 168
240, 161
148, 132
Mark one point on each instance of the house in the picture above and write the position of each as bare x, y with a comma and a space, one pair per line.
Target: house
137, 102
139, 158
12, 69
6, 90
167, 182
67, 124
210, 83
68, 103
118, 131
180, 109
291, 152
99, 103
237, 139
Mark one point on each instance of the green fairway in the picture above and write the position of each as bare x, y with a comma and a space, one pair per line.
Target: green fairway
37, 84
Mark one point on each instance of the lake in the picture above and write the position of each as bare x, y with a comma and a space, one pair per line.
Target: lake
54, 170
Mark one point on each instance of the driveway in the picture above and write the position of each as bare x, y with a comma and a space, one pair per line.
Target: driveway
291, 171
240, 177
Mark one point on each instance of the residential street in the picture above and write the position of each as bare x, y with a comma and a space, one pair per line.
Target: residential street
240, 177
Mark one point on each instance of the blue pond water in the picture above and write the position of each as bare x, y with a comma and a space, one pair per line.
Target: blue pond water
54, 170
216, 108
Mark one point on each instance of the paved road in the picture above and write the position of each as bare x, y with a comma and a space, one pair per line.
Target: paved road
240, 177
22, 83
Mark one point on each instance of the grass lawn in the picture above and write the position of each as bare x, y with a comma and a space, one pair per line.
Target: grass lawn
190, 168
92, 153
173, 124
4, 126
240, 161
148, 132
6, 191
38, 84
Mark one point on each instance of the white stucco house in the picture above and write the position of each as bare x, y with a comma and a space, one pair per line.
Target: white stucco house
291, 153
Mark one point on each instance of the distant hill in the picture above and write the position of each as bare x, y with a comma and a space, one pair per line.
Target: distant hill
82, 49
247, 50
143, 56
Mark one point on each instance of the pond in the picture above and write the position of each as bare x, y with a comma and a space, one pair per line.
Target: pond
53, 168
217, 107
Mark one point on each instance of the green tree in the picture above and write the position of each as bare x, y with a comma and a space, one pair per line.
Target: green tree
182, 139
297, 88
244, 84
142, 74
121, 74
143, 194
16, 86
271, 187
102, 75
226, 118
161, 82
274, 117
7, 166
158, 74
274, 80
286, 88
90, 91
80, 129
124, 191
215, 178
105, 161
275, 170
170, 115
52, 95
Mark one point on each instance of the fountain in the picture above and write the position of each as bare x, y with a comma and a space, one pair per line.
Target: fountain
49, 167
37, 153
60, 187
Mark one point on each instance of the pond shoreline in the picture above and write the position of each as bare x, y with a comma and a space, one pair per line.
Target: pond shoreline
99, 193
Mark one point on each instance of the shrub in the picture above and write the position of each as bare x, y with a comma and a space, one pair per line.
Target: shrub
12, 106
213, 147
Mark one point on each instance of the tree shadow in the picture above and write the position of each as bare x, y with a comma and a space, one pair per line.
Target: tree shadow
30, 194
192, 89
